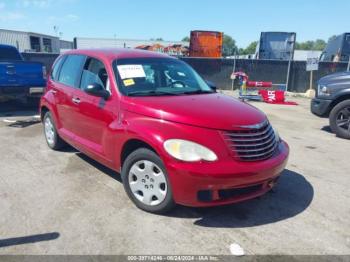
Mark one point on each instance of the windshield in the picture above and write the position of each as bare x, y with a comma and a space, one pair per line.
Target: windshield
157, 77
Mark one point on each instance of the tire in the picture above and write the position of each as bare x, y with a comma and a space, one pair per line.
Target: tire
146, 182
52, 138
339, 119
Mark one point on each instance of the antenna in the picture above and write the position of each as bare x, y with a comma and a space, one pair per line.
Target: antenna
56, 30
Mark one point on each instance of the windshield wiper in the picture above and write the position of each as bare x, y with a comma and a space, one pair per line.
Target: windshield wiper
152, 93
198, 92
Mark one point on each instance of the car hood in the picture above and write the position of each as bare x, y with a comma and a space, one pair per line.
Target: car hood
335, 78
216, 111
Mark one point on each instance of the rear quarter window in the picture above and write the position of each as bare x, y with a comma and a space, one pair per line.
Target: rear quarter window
71, 70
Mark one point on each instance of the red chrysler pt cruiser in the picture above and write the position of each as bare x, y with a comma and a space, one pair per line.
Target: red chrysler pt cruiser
152, 118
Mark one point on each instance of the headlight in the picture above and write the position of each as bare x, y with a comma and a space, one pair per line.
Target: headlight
323, 90
277, 136
188, 151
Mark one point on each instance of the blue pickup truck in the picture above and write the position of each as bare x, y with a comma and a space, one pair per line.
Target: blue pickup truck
20, 79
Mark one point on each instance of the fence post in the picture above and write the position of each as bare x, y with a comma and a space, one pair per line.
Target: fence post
288, 72
234, 69
311, 79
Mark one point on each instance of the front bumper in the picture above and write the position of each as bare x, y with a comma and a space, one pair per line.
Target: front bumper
225, 182
320, 107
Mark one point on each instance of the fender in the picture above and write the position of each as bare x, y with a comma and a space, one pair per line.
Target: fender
340, 96
132, 126
48, 101
155, 131
341, 93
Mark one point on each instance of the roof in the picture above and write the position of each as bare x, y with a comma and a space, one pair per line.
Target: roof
204, 31
7, 46
118, 53
146, 42
277, 32
30, 33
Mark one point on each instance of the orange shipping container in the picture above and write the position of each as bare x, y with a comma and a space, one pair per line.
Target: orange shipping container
206, 44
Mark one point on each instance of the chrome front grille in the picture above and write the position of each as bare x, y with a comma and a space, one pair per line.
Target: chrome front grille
252, 143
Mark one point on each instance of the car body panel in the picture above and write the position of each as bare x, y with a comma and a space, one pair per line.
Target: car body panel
101, 128
338, 85
215, 111
17, 77
338, 82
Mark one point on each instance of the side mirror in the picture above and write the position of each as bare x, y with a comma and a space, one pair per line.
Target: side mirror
96, 89
211, 85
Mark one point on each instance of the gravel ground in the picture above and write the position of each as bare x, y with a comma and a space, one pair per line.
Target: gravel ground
65, 203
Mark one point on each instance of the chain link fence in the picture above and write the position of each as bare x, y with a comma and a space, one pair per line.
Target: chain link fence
219, 70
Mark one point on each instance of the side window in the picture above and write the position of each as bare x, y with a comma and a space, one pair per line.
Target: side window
56, 68
94, 72
70, 72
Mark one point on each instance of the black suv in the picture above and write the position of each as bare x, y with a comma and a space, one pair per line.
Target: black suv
333, 100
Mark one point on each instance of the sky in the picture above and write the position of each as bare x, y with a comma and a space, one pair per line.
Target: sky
173, 20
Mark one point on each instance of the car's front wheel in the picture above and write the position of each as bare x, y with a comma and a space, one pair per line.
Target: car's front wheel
146, 182
340, 119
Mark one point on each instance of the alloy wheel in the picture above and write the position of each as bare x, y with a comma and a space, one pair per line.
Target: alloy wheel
343, 119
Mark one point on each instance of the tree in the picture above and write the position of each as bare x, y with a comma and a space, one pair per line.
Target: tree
304, 45
229, 47
250, 49
319, 44
186, 39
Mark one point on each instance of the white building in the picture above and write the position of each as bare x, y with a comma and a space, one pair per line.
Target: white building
33, 42
301, 55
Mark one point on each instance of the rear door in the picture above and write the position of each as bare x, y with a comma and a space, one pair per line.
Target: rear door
64, 89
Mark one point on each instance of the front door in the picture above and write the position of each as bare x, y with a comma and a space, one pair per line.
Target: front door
94, 114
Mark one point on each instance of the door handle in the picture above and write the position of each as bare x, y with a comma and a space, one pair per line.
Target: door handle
53, 91
76, 100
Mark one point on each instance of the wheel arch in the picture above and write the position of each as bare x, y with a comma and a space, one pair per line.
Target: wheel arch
133, 144
43, 110
339, 99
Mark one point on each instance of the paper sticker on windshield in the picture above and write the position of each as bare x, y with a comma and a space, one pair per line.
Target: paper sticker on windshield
131, 71
129, 82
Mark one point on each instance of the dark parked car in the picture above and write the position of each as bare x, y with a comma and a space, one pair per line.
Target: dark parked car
20, 79
333, 101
